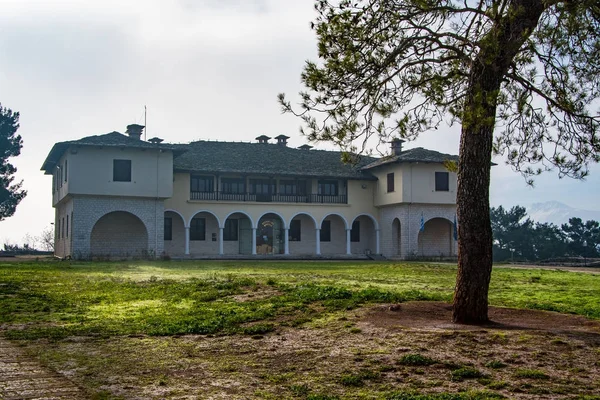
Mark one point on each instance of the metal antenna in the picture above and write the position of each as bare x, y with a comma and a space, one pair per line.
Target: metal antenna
145, 123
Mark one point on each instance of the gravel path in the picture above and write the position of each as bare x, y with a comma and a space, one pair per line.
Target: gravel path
23, 378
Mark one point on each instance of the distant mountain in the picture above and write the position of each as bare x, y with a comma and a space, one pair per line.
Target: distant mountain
558, 213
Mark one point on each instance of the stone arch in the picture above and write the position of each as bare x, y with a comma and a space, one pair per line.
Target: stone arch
176, 212
270, 237
375, 222
364, 241
302, 241
314, 220
204, 241
436, 238
238, 212
175, 245
335, 242
283, 220
203, 211
119, 234
346, 226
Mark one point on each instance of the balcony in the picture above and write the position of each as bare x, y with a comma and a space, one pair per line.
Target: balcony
270, 198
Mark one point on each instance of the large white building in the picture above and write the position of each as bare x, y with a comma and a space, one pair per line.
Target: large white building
116, 195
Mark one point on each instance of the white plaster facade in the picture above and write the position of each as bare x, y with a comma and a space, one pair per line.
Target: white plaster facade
154, 213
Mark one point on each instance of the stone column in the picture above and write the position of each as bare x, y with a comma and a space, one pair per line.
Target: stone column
254, 241
187, 240
221, 241
348, 245
286, 241
318, 249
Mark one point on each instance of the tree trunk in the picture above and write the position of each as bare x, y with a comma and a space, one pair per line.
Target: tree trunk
474, 228
498, 49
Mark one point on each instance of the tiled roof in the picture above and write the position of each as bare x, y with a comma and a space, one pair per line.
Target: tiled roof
418, 154
253, 158
267, 159
113, 139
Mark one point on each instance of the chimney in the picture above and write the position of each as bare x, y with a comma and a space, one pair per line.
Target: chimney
397, 146
282, 139
305, 147
134, 131
264, 139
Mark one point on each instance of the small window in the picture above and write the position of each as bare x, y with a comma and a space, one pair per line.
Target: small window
355, 232
122, 170
295, 230
198, 229
66, 170
61, 176
199, 183
62, 228
230, 233
328, 188
390, 182
67, 226
442, 181
326, 231
168, 228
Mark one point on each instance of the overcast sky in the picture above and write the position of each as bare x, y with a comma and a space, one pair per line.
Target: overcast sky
206, 69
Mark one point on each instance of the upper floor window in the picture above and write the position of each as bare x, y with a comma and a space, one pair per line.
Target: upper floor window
230, 233
198, 229
326, 231
61, 176
328, 188
355, 232
262, 186
295, 230
291, 187
168, 234
66, 170
200, 183
122, 170
233, 185
390, 182
442, 181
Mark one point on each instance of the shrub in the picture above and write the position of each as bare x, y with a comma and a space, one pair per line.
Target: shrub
415, 359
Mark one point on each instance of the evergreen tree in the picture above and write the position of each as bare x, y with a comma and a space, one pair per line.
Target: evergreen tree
530, 68
10, 146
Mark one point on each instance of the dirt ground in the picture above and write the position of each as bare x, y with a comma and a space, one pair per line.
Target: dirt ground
359, 354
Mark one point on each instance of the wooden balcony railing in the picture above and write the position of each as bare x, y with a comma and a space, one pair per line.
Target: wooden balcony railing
270, 198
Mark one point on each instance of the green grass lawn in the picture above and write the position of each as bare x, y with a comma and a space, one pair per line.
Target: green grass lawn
58, 299
271, 330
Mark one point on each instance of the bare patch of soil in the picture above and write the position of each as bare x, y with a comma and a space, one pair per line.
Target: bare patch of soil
438, 315
522, 355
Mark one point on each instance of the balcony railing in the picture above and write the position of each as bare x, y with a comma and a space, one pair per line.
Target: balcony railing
270, 198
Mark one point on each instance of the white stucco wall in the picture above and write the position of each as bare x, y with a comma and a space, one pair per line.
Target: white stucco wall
414, 183
90, 172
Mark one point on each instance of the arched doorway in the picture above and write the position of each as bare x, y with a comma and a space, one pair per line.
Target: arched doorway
333, 235
396, 238
119, 234
363, 238
302, 239
436, 238
174, 234
237, 234
204, 234
270, 237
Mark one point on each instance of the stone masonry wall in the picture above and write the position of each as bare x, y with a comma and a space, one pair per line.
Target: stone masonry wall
87, 210
410, 219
